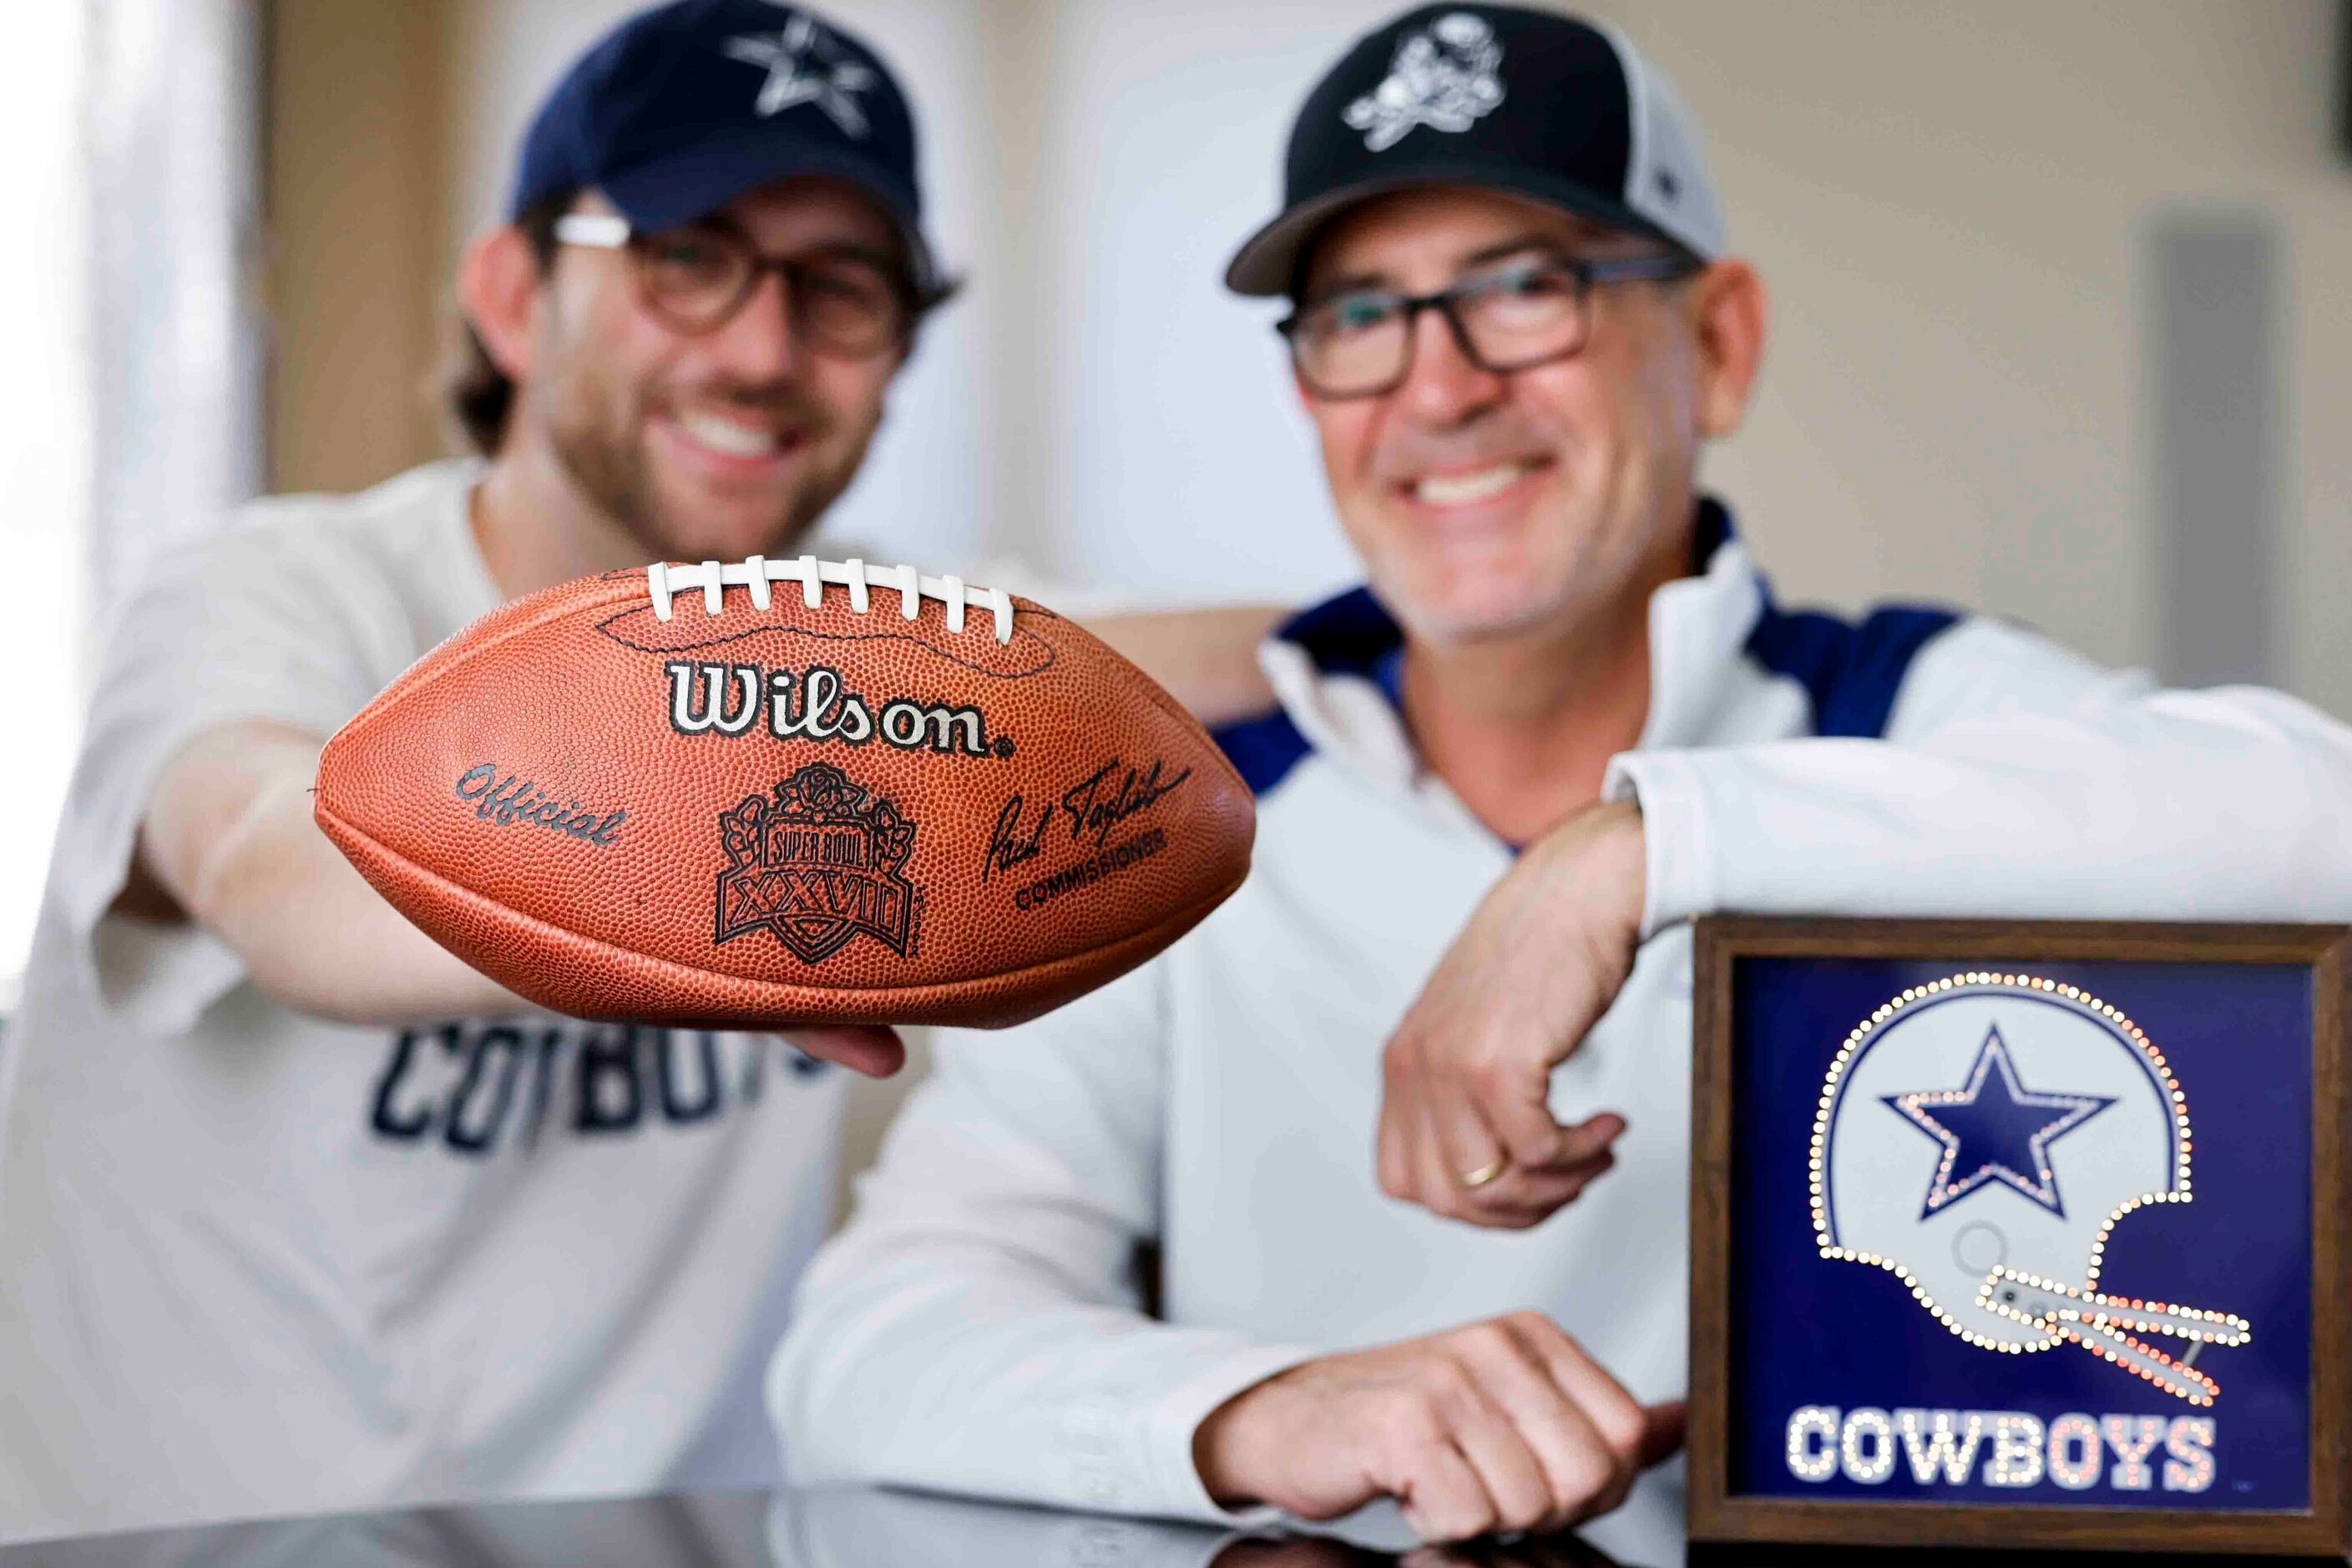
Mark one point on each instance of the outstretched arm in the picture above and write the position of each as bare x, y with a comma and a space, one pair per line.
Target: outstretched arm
228, 843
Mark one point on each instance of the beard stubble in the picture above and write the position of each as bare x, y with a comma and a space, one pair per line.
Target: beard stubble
596, 434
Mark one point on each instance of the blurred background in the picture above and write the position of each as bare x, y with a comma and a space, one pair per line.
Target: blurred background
2063, 296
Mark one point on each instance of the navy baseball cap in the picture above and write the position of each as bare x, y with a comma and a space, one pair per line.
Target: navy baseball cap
1535, 103
682, 109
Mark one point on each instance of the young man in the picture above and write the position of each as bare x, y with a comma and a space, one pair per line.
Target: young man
1567, 714
297, 1212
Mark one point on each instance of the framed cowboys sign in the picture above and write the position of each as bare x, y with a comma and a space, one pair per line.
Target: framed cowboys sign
2019, 1235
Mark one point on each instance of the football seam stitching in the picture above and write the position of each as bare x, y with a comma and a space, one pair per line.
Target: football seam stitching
1194, 911
605, 628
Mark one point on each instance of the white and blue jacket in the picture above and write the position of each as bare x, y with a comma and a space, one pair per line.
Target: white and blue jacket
978, 1327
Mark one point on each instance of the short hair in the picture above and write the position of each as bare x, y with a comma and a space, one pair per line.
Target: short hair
481, 396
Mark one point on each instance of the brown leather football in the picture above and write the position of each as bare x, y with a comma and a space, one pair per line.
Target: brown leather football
786, 791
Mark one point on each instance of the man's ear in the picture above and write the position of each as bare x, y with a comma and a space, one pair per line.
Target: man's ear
499, 289
1298, 390
1731, 313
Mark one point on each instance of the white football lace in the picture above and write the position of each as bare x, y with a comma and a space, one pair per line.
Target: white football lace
667, 580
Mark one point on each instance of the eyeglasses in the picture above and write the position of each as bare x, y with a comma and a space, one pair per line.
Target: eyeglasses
1513, 316
697, 278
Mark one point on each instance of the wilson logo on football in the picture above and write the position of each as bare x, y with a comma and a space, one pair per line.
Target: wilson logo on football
816, 863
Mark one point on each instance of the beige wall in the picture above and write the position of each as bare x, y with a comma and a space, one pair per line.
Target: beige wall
358, 188
1946, 199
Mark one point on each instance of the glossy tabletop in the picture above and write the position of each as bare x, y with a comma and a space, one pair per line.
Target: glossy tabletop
852, 1527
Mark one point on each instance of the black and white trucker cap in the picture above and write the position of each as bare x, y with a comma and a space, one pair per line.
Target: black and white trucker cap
1537, 103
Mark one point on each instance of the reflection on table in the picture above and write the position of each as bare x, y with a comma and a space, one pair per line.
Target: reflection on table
862, 1527
830, 1528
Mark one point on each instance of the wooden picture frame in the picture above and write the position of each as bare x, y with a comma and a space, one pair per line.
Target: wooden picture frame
1770, 1309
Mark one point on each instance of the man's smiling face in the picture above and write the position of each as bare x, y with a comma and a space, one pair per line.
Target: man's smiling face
1487, 505
721, 444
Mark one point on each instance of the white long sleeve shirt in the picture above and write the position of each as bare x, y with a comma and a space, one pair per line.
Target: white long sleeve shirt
977, 1328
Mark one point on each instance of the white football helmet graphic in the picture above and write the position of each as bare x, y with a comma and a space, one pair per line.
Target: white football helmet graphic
1979, 1137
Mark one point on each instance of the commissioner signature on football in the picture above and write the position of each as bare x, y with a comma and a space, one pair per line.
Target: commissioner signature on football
1089, 809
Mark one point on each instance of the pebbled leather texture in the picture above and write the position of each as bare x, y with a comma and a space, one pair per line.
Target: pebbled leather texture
1005, 827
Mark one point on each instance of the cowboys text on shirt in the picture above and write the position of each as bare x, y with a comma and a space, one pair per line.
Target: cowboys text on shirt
475, 1089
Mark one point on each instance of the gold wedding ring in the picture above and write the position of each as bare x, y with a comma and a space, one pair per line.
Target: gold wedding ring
1473, 1180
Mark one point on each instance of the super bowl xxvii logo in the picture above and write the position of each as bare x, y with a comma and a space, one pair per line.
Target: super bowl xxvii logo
816, 864
1981, 1138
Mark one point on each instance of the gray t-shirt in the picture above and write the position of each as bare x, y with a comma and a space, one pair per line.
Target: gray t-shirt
252, 1262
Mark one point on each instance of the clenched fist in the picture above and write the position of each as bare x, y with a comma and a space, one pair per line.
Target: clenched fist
1501, 1425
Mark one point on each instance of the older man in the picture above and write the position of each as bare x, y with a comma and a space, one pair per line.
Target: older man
298, 1212
1566, 715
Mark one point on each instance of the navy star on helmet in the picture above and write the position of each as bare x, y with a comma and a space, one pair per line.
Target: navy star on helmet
1981, 1138
1994, 1129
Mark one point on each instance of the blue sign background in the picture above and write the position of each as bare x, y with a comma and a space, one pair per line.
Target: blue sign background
1805, 1330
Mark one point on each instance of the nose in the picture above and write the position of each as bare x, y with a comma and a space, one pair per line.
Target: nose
1445, 386
758, 344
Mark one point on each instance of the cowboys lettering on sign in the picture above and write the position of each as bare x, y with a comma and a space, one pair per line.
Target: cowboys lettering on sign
804, 65
1981, 1138
816, 865
1444, 78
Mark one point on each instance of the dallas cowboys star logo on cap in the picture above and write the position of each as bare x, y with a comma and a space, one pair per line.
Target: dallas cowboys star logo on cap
1994, 1130
799, 73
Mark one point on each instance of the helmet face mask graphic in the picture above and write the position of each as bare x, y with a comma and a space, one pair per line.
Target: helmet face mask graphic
1979, 1137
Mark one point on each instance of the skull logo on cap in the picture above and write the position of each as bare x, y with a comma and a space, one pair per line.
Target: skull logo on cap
1445, 78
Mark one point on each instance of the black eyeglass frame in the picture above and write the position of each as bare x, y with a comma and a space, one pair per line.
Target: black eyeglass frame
1588, 272
604, 231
